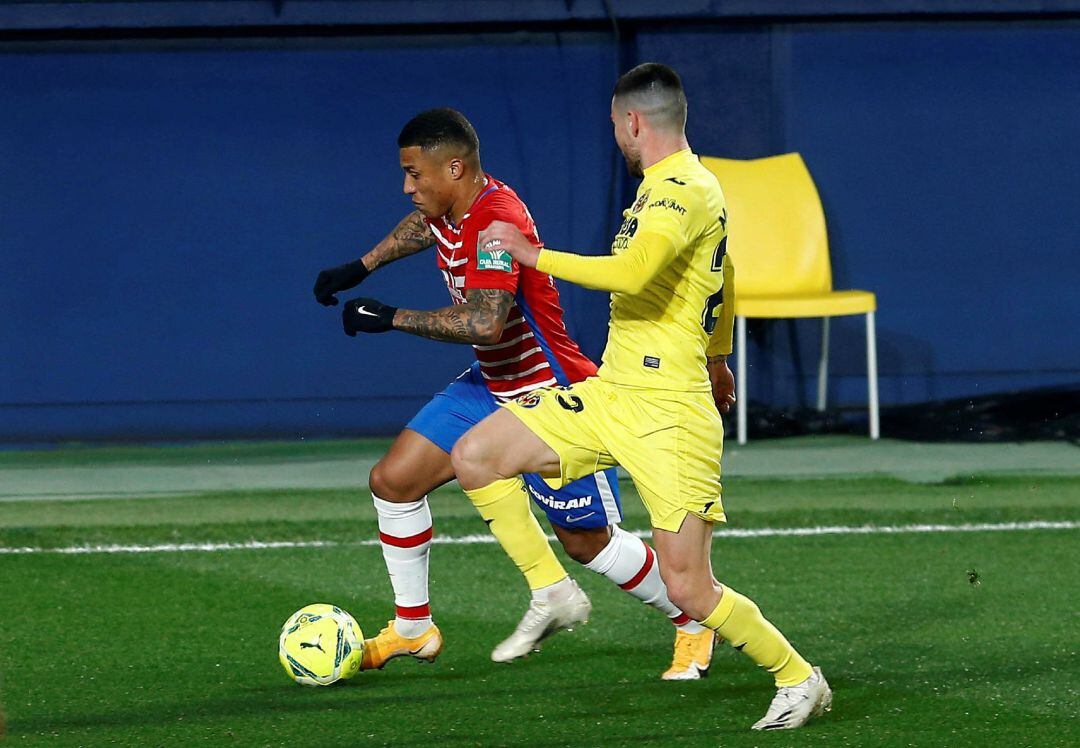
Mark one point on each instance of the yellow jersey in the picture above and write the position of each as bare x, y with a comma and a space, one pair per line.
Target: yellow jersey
669, 274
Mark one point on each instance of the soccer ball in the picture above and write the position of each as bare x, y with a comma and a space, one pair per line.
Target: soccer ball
320, 644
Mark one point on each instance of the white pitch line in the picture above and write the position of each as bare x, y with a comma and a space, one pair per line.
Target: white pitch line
898, 529
258, 545
250, 545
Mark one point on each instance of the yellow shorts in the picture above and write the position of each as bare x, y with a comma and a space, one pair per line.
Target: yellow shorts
670, 442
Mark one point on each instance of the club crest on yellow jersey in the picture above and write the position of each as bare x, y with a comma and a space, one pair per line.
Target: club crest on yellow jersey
528, 400
640, 204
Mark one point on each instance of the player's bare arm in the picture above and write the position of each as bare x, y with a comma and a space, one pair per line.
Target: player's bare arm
410, 236
479, 321
722, 381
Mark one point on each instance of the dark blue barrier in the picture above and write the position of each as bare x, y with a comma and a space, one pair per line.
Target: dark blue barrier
282, 15
945, 157
163, 211
164, 215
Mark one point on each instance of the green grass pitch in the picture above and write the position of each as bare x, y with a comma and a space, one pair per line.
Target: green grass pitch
179, 648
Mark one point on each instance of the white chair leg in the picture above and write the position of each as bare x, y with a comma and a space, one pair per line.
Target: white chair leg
823, 366
740, 378
871, 375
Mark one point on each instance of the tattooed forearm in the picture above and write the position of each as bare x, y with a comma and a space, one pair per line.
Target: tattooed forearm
410, 236
479, 321
447, 324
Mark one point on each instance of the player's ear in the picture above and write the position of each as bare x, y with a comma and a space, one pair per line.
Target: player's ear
633, 123
457, 168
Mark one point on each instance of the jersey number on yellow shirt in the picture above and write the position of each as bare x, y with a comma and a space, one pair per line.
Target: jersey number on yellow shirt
708, 315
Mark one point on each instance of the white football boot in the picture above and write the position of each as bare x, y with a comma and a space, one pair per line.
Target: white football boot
564, 608
794, 706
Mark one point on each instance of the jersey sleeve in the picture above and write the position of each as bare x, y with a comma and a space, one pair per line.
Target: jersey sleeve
624, 273
653, 234
495, 268
720, 340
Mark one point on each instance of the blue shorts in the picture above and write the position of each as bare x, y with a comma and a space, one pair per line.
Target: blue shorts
587, 503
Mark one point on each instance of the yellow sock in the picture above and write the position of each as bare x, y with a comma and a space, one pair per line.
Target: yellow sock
738, 619
504, 505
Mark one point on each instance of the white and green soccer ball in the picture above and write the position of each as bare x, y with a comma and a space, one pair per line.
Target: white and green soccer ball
320, 644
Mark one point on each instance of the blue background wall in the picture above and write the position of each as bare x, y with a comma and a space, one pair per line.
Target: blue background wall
164, 207
945, 155
165, 214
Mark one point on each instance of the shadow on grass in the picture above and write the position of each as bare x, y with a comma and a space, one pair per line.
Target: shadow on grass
587, 702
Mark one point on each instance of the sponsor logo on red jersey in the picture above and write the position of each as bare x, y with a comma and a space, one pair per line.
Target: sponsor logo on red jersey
535, 349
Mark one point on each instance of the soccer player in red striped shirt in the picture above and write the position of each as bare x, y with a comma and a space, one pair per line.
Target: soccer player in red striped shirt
512, 317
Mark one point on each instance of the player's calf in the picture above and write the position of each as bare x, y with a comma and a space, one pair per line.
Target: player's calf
632, 565
583, 544
405, 533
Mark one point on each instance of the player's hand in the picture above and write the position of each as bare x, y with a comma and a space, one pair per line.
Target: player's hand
723, 383
508, 237
367, 315
341, 278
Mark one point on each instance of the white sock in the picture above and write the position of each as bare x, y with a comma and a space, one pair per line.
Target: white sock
405, 535
628, 562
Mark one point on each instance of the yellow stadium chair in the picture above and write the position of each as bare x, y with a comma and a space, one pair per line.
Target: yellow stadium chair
781, 253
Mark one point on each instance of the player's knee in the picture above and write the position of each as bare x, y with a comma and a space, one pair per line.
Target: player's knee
467, 460
391, 484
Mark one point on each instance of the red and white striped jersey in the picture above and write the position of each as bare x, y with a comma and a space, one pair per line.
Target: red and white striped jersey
535, 349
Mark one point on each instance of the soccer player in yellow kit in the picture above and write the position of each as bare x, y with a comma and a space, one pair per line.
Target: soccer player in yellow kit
649, 408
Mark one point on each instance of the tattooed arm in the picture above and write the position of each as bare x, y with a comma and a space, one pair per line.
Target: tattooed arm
479, 321
409, 237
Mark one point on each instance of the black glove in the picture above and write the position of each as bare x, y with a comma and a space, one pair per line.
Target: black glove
367, 315
341, 278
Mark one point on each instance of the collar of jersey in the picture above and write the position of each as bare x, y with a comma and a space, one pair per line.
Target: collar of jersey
667, 162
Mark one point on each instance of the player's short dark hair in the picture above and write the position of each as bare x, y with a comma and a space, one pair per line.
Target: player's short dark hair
439, 128
656, 89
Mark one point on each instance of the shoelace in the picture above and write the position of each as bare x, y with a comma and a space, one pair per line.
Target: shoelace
788, 696
532, 618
